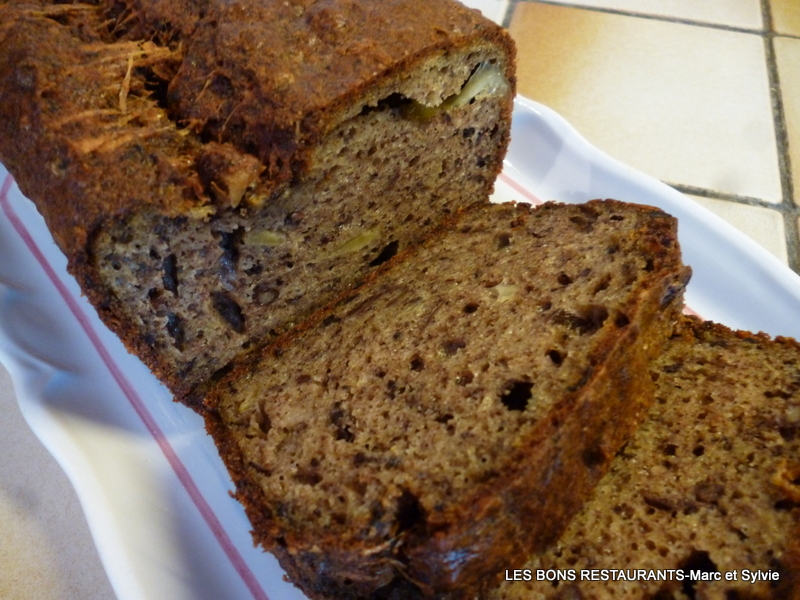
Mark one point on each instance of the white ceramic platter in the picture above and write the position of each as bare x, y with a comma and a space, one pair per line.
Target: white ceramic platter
154, 492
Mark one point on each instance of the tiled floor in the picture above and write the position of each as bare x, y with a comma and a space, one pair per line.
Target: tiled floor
704, 96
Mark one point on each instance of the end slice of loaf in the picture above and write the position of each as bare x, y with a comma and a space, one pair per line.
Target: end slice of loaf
710, 483
215, 171
454, 412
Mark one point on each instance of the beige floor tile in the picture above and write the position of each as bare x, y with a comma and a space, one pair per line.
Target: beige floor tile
763, 225
785, 16
787, 53
685, 104
745, 14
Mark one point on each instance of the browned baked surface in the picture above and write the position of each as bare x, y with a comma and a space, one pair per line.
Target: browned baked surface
710, 482
214, 171
455, 411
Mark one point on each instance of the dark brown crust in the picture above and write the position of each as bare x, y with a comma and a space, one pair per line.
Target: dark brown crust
461, 549
600, 537
93, 141
257, 112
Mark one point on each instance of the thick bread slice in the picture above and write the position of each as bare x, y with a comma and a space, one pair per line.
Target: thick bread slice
214, 171
454, 412
710, 483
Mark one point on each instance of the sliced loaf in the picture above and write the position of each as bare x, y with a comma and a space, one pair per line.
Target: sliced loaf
454, 412
214, 171
709, 484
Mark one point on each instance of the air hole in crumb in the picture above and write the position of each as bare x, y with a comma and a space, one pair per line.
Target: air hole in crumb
389, 250
593, 457
556, 356
176, 331
622, 320
503, 240
229, 310
342, 421
789, 433
587, 322
699, 450
170, 274
450, 347
308, 475
516, 395
330, 320
649, 266
698, 560
786, 504
263, 421
229, 242
470, 308
409, 511
670, 449
417, 364
564, 279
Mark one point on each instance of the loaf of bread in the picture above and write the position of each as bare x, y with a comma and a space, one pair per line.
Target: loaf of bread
214, 171
704, 502
454, 412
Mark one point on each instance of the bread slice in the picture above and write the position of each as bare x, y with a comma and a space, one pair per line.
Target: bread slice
214, 171
454, 412
709, 484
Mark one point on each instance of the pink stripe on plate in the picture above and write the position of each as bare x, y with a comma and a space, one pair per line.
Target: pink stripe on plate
138, 405
135, 400
520, 189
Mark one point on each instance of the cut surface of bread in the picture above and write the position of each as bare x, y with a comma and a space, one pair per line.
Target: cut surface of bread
456, 410
215, 171
709, 484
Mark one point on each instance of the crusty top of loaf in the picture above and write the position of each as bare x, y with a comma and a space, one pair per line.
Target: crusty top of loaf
106, 109
291, 69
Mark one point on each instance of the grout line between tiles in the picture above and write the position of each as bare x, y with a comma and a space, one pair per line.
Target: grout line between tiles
717, 195
790, 215
627, 13
788, 208
512, 5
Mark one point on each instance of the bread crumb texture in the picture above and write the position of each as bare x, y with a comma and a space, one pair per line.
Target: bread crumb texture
215, 171
708, 483
426, 423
